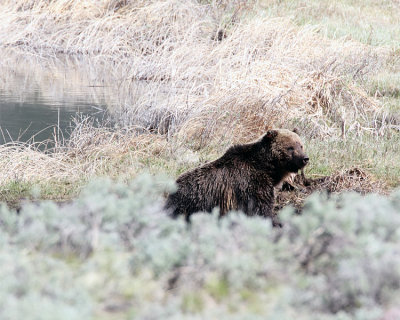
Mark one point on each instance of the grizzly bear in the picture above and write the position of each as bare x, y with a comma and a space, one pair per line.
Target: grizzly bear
242, 179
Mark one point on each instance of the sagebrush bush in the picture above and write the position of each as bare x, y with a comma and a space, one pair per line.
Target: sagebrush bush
37, 286
346, 247
115, 252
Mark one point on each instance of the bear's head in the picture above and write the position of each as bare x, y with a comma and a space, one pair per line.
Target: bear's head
286, 149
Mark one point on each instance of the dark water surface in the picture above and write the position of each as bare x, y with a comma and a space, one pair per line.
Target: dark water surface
38, 101
38, 120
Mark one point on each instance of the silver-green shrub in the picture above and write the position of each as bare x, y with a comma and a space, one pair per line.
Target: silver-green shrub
115, 253
348, 250
36, 286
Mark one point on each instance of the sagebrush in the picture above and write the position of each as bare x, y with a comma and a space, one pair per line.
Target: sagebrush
114, 251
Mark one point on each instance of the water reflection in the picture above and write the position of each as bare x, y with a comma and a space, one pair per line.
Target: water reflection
38, 99
36, 121
38, 92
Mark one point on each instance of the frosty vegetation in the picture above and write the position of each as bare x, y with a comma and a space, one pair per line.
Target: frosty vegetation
114, 252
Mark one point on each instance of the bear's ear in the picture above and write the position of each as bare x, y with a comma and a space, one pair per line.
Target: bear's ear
295, 130
269, 136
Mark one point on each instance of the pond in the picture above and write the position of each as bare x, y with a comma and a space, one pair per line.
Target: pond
40, 97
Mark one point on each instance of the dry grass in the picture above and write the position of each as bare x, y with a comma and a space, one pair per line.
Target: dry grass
173, 84
59, 173
24, 162
176, 76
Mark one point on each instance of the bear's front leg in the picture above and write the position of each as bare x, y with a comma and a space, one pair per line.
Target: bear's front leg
276, 222
262, 204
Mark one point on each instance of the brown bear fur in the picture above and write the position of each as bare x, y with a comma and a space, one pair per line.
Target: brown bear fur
242, 179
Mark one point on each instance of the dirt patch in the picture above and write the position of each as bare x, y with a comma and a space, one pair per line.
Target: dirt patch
355, 179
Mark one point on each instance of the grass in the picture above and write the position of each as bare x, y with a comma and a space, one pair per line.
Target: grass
377, 155
370, 22
278, 64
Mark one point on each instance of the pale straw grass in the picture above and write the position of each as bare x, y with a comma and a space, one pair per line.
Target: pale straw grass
88, 153
22, 162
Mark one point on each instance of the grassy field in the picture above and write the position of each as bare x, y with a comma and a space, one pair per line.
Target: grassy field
185, 80
184, 95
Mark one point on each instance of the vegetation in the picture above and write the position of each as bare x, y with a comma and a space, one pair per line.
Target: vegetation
181, 92
114, 254
184, 80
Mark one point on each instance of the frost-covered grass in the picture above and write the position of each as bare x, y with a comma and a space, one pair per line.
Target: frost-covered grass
114, 254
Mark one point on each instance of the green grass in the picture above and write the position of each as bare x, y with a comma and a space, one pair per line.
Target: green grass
375, 23
217, 288
379, 156
13, 192
192, 302
386, 87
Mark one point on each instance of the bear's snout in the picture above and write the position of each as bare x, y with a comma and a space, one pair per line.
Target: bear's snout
305, 160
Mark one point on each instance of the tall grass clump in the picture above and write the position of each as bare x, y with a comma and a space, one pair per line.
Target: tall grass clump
113, 252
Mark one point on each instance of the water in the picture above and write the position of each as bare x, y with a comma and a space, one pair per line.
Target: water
37, 119
39, 99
